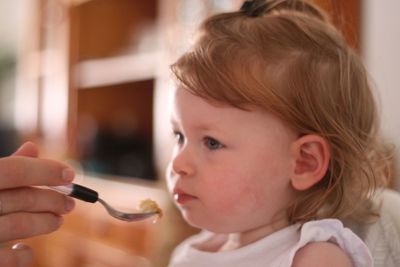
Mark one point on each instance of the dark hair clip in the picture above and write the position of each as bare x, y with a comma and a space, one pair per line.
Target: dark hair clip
254, 8
246, 6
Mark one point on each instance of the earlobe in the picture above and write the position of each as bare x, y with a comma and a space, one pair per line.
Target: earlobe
312, 156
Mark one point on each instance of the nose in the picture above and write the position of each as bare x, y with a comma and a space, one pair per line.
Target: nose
182, 162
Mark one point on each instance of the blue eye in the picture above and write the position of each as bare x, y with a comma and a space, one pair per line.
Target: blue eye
212, 143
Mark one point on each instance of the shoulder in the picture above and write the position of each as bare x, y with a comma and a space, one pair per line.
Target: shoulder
321, 254
327, 242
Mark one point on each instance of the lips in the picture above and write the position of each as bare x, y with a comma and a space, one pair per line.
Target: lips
181, 197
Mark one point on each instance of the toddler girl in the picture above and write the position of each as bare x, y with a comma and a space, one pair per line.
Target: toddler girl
276, 141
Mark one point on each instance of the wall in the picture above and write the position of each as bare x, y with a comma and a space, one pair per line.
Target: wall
381, 51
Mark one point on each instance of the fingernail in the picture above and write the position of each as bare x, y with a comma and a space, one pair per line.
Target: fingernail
19, 246
69, 204
68, 174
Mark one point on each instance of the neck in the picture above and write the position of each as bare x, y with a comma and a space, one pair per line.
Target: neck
225, 242
238, 240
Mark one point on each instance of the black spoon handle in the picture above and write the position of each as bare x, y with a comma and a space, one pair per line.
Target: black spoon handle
77, 191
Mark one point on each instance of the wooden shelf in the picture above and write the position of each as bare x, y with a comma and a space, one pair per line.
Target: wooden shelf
116, 70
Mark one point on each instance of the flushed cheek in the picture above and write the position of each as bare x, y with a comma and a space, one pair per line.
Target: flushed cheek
248, 192
230, 213
229, 199
220, 205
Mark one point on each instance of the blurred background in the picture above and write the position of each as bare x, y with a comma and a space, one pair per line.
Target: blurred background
88, 81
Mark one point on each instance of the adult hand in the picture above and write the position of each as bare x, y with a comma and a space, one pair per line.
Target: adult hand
25, 210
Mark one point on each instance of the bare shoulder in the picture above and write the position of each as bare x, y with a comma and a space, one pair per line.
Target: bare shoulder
321, 254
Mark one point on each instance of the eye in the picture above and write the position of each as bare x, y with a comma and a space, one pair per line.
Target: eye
212, 143
180, 139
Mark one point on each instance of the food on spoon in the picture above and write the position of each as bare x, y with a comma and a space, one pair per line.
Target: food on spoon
149, 205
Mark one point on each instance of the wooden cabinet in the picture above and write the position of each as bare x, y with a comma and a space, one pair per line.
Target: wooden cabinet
346, 15
87, 83
113, 50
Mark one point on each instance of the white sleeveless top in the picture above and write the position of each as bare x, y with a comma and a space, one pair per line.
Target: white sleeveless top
275, 250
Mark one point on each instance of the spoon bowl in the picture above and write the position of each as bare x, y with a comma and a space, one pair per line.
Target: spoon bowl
124, 216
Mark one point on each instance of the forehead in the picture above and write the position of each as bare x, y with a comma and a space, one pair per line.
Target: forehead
194, 111
186, 101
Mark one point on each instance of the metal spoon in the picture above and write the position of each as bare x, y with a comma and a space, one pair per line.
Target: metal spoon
86, 194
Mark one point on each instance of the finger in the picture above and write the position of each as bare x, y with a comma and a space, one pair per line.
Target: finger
28, 149
19, 256
19, 171
23, 225
29, 199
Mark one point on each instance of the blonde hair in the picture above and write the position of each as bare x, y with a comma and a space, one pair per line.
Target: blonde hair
291, 61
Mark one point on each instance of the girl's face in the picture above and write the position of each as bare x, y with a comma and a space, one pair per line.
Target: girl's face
230, 169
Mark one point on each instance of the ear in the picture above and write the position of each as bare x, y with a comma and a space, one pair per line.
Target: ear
312, 155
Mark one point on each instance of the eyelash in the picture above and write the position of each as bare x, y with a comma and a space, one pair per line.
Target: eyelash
209, 142
178, 137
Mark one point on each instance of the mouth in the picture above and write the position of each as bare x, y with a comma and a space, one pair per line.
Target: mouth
181, 197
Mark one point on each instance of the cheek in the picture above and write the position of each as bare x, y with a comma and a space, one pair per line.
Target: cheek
169, 177
230, 194
248, 184
263, 181
271, 162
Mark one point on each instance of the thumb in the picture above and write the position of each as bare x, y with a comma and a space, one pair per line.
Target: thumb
28, 149
19, 256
